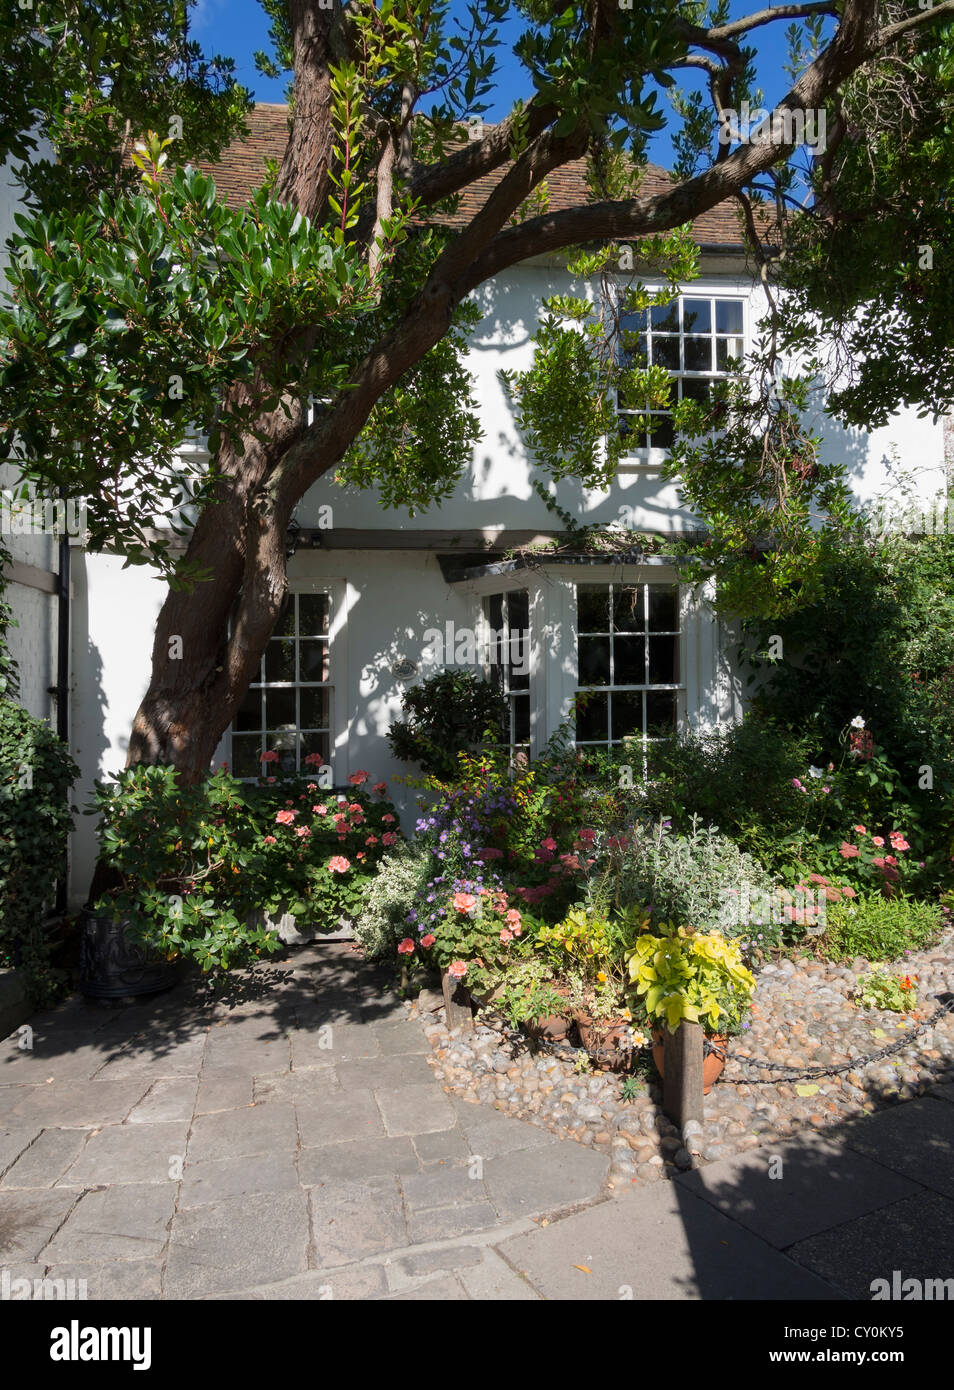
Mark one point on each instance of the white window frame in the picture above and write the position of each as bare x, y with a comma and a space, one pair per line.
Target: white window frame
335, 685
652, 458
643, 582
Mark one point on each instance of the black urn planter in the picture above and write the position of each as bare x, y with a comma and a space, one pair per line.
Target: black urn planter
113, 967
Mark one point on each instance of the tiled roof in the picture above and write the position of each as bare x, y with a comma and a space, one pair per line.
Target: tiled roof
242, 169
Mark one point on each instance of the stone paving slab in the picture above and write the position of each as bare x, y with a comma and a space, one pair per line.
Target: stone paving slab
916, 1139
79, 1104
236, 1243
14, 1140
46, 1159
125, 1222
419, 1109
219, 1179
914, 1237
29, 1220
817, 1184
659, 1243
254, 1129
351, 1221
128, 1154
358, 1159
335, 1119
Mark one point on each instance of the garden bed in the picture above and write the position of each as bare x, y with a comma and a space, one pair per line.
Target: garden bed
802, 1016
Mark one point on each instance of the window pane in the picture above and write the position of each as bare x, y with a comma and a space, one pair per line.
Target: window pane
627, 714
591, 719
521, 719
313, 660
249, 713
313, 615
315, 743
594, 660
663, 615
665, 317
727, 348
285, 627
666, 353
280, 661
495, 611
284, 745
728, 316
628, 608
279, 709
696, 389
661, 434
629, 657
592, 608
246, 752
660, 712
518, 609
663, 661
698, 354
697, 316
313, 705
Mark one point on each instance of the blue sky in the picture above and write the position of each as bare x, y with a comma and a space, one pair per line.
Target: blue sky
236, 28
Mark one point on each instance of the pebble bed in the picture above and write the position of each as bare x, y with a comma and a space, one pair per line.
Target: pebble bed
802, 1016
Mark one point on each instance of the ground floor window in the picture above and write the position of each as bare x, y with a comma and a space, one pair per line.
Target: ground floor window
628, 664
508, 619
287, 708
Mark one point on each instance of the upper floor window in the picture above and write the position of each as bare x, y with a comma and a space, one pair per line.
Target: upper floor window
287, 708
694, 338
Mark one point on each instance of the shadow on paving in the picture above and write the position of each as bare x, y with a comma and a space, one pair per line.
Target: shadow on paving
820, 1216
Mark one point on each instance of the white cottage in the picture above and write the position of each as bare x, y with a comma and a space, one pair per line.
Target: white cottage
379, 600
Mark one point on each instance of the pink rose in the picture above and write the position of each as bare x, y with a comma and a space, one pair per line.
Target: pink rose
320, 810
877, 840
270, 840
337, 864
357, 778
388, 819
302, 831
285, 817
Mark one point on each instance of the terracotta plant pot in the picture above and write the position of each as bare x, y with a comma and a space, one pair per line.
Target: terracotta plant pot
606, 1039
552, 1027
712, 1065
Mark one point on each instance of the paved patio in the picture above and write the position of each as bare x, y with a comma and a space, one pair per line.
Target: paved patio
291, 1142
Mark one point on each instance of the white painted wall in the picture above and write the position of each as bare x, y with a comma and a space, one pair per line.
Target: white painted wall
384, 600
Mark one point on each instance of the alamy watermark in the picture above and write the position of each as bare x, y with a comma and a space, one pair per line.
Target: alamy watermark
41, 516
779, 127
464, 646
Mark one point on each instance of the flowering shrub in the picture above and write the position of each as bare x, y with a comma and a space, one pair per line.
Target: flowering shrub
473, 932
198, 865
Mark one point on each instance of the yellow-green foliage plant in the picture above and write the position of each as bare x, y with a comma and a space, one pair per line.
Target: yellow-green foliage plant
691, 977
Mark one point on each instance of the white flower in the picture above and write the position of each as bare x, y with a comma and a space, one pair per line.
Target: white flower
814, 772
857, 722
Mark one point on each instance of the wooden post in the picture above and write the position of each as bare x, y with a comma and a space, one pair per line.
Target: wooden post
682, 1084
457, 1010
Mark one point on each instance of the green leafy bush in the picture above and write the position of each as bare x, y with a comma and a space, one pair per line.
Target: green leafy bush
36, 773
451, 712
693, 880
199, 865
880, 928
